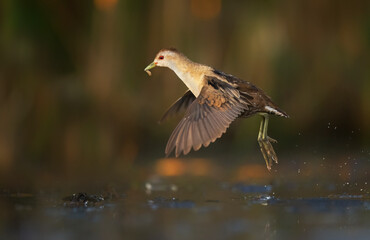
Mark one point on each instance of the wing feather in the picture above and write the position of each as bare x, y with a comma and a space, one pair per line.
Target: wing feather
197, 139
206, 118
180, 104
178, 143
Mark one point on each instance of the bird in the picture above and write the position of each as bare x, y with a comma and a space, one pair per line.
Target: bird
214, 99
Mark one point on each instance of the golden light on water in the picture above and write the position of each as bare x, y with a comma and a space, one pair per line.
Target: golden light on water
199, 167
249, 171
177, 167
170, 167
105, 4
205, 9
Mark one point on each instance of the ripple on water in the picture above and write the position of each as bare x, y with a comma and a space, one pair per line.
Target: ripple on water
161, 202
243, 188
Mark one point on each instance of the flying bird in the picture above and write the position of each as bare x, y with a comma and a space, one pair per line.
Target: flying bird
213, 100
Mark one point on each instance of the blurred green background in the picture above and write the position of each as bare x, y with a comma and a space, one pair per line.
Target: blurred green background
74, 96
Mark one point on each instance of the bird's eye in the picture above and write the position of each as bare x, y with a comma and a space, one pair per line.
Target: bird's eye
161, 57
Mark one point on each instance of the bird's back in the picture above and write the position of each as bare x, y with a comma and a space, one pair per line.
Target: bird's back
257, 100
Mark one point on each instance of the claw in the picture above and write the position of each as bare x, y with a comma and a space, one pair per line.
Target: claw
272, 140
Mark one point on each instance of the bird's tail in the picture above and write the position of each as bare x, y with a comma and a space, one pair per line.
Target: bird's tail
272, 109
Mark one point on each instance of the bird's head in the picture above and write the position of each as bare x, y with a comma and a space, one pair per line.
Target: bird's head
164, 58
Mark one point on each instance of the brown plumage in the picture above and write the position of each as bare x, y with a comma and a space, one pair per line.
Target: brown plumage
214, 100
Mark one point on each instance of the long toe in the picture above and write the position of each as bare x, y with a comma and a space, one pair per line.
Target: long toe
270, 152
265, 155
271, 139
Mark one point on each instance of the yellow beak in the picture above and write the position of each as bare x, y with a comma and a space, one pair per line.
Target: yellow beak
150, 66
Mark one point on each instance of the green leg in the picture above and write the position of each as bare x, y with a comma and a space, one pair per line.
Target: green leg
265, 143
260, 142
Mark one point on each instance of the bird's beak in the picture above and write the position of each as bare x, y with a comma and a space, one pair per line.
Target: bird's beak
150, 66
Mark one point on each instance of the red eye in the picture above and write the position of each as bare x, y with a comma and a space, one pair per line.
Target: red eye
161, 57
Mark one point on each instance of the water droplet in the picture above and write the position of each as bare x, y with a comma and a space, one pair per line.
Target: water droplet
148, 186
174, 188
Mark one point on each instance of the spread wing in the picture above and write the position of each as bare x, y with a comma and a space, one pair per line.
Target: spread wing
181, 104
207, 118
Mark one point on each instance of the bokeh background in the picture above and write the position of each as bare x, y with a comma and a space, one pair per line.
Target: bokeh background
74, 99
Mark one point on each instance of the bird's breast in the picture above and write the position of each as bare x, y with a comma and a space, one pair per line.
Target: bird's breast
193, 81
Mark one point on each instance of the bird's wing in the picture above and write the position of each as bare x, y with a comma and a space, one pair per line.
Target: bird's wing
181, 104
207, 118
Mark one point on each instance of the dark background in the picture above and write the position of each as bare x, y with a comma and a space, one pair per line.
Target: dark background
74, 99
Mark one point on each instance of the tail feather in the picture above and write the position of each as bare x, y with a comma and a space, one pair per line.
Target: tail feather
276, 111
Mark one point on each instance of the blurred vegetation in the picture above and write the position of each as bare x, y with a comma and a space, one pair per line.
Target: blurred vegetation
73, 91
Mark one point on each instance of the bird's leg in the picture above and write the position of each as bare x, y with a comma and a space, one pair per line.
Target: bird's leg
260, 142
265, 143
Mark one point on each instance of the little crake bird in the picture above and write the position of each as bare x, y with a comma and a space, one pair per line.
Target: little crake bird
213, 101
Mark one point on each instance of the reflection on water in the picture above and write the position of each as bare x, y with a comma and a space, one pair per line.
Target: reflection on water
175, 202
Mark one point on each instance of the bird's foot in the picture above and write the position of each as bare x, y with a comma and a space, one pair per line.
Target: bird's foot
272, 140
268, 151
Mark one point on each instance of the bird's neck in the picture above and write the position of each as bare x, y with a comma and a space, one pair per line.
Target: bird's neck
190, 73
